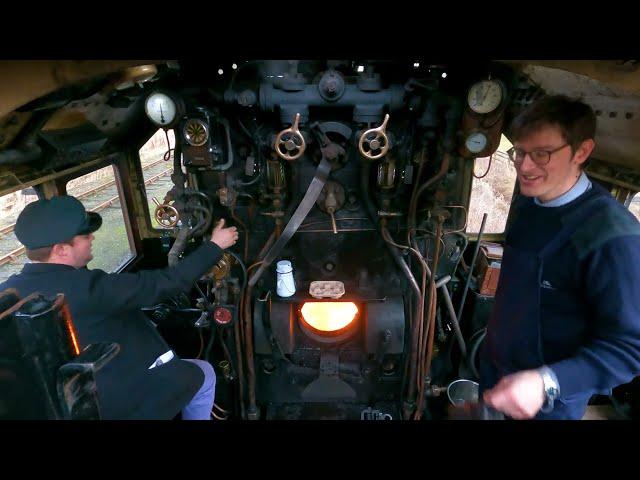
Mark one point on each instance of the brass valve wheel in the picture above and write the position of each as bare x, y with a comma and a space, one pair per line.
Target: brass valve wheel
289, 143
166, 215
374, 143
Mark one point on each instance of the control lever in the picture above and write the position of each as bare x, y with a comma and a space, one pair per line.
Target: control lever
330, 150
333, 220
330, 200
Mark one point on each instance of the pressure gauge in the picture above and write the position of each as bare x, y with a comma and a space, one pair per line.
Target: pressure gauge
485, 96
161, 109
196, 132
476, 142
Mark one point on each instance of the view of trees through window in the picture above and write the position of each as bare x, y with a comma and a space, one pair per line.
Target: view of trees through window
156, 168
98, 192
493, 192
12, 256
634, 206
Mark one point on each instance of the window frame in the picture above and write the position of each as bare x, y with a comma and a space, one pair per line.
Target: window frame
157, 232
493, 236
116, 165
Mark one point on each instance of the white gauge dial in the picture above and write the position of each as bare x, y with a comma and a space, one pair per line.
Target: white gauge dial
485, 96
476, 142
160, 108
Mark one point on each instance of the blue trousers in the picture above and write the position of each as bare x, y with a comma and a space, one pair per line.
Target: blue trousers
199, 408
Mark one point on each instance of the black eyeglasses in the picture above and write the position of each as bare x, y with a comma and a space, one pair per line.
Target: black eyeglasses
539, 157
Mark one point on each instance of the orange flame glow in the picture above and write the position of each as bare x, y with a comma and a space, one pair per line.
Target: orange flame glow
329, 316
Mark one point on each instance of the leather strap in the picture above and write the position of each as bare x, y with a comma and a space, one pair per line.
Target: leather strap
307, 203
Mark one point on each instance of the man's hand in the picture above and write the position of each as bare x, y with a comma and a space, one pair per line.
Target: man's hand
519, 395
224, 237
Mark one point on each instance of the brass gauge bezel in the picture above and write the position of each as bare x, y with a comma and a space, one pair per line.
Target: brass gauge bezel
195, 132
486, 109
176, 104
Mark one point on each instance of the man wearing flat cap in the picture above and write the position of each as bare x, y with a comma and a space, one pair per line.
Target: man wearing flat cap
146, 380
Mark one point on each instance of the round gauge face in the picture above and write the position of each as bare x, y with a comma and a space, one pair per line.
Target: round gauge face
476, 142
485, 96
195, 132
161, 109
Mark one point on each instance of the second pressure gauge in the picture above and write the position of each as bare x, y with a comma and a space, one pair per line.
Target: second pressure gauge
161, 109
485, 96
476, 142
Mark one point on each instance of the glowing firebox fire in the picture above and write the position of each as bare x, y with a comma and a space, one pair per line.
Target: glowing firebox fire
329, 316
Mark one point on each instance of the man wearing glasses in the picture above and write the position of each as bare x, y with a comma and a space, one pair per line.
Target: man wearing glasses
566, 320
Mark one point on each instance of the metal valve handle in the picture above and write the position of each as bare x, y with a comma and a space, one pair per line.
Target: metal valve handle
166, 215
290, 144
375, 139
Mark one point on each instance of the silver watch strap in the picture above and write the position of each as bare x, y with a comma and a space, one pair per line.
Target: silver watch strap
551, 387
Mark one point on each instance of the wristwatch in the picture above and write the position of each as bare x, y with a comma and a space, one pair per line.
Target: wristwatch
551, 388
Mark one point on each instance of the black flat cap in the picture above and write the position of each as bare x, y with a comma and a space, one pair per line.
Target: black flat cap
44, 223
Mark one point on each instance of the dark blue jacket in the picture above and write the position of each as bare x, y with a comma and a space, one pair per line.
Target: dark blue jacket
106, 308
589, 323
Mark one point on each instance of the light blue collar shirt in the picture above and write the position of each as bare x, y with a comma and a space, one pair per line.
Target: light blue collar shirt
582, 185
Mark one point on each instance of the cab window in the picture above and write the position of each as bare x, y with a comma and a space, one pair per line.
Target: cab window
156, 159
12, 253
494, 180
98, 191
634, 206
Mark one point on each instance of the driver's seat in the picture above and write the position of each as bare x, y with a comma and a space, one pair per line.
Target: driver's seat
44, 374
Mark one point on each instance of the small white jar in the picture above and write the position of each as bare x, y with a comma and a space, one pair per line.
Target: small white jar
285, 284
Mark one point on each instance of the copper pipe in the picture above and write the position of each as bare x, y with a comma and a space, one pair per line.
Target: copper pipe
278, 229
232, 209
248, 337
236, 332
434, 296
416, 369
252, 410
444, 166
412, 201
241, 312
416, 327
266, 247
432, 317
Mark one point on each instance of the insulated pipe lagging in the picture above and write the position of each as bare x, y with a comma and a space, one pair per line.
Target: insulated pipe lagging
227, 132
178, 246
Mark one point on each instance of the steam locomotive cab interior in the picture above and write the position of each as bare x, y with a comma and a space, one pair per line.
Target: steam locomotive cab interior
365, 271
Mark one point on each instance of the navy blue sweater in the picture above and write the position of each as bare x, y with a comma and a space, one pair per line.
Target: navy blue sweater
590, 293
